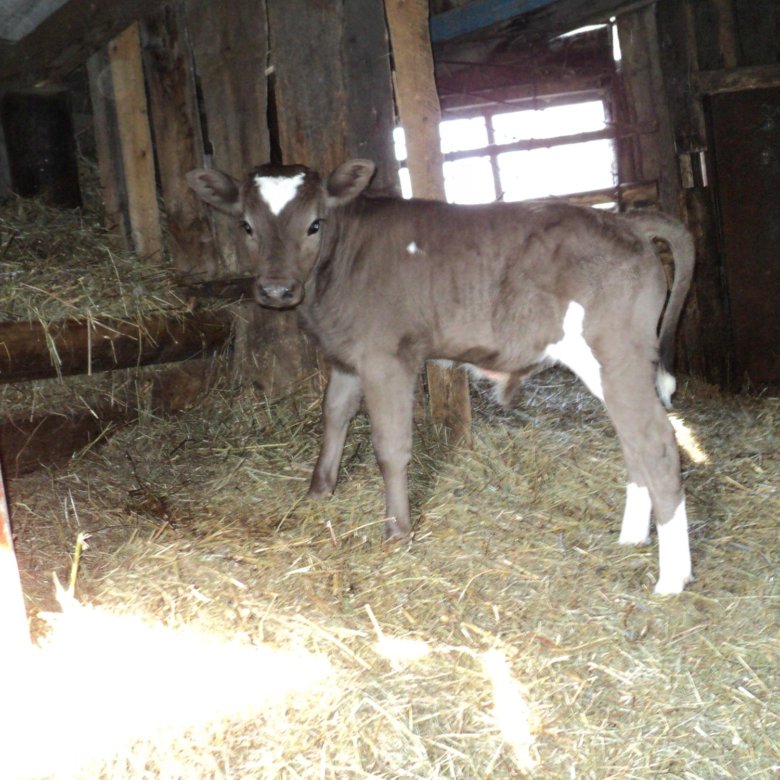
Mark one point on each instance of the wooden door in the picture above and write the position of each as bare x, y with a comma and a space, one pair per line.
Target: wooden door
745, 139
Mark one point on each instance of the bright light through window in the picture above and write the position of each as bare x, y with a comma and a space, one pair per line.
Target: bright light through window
549, 122
561, 169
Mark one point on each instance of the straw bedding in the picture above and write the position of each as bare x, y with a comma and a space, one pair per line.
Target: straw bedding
223, 626
512, 638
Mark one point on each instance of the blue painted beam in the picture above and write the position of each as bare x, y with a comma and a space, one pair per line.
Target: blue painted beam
478, 14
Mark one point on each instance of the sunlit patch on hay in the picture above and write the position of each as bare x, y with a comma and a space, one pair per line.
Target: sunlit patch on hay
511, 710
687, 440
102, 685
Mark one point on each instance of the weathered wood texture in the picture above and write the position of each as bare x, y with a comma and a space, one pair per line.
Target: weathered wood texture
178, 140
28, 350
135, 139
418, 106
107, 146
230, 52
333, 85
66, 39
651, 150
710, 46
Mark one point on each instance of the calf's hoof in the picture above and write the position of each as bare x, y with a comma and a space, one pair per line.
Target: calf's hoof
397, 531
671, 586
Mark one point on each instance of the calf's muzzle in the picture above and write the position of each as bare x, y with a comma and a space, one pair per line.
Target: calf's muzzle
278, 295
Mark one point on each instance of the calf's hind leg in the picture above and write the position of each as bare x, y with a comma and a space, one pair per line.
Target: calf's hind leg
653, 463
341, 402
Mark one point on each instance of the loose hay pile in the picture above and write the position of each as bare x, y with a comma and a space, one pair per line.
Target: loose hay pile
57, 264
512, 638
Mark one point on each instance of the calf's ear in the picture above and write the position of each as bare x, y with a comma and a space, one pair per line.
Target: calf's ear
217, 189
348, 181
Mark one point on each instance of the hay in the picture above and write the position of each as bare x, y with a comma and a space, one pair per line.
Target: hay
512, 638
60, 264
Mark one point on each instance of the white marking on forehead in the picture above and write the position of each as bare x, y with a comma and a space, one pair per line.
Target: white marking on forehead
573, 351
412, 248
278, 191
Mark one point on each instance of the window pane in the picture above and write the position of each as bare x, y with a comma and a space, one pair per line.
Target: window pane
549, 122
459, 135
469, 181
559, 170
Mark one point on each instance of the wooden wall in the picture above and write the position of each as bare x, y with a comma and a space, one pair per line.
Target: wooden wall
710, 46
232, 85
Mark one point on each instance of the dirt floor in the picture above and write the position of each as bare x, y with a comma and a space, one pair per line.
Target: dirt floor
225, 627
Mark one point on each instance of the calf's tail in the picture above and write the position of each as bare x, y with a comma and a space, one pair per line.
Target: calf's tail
680, 241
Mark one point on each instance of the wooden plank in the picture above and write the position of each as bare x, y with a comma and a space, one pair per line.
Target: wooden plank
418, 106
173, 110
28, 350
368, 89
108, 147
136, 142
66, 39
230, 40
310, 88
14, 629
653, 152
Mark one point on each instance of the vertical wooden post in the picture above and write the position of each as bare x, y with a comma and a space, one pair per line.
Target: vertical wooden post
14, 630
135, 141
178, 138
418, 106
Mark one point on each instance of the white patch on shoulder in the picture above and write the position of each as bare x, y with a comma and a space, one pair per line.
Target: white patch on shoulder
413, 249
573, 351
674, 553
636, 517
278, 191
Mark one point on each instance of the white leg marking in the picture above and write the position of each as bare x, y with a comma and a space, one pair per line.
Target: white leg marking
636, 517
573, 351
666, 384
278, 191
674, 554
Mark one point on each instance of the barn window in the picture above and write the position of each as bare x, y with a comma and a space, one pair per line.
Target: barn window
500, 153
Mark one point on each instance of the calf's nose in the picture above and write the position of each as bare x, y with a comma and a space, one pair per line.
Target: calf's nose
278, 294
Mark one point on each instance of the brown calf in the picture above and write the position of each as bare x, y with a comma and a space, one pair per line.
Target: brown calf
384, 284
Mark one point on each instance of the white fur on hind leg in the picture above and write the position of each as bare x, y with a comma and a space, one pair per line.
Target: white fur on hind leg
674, 553
636, 517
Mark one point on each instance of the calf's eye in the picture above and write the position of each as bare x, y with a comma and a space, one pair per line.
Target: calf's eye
247, 227
313, 228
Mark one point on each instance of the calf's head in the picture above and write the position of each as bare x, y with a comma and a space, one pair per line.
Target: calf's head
282, 213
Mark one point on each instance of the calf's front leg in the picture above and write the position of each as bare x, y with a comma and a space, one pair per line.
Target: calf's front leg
389, 391
341, 402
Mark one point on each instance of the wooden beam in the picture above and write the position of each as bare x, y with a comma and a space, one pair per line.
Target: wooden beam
29, 350
709, 82
479, 14
418, 106
51, 439
66, 39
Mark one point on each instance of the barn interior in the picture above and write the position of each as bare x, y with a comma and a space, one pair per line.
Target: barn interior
170, 604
